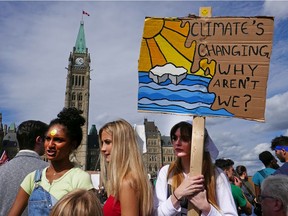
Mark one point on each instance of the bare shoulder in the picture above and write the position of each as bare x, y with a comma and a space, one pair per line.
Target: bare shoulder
129, 198
127, 184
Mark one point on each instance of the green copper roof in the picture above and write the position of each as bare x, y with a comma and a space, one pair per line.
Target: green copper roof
80, 45
93, 130
12, 127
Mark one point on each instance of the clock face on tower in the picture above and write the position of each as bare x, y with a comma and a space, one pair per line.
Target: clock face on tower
79, 61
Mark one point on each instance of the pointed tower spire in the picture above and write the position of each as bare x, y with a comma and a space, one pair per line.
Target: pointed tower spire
93, 130
80, 45
78, 88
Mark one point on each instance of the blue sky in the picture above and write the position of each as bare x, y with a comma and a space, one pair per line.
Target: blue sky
37, 38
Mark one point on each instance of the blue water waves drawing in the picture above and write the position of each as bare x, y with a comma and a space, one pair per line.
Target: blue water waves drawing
189, 96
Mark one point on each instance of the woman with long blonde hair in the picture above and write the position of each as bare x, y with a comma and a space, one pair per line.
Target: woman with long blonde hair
210, 193
123, 173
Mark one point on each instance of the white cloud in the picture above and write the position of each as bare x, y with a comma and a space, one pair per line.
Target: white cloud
37, 38
276, 109
276, 8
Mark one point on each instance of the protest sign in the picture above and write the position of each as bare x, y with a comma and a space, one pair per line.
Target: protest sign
205, 66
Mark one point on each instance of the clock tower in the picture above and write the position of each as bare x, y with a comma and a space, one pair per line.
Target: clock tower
78, 88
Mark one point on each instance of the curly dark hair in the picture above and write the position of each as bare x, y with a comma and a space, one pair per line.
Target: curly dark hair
72, 119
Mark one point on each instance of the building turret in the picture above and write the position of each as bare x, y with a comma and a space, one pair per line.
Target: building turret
78, 87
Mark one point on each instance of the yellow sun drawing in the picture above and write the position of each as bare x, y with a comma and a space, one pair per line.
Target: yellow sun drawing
165, 41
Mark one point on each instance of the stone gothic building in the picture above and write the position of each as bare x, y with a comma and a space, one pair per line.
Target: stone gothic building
8, 140
78, 88
159, 149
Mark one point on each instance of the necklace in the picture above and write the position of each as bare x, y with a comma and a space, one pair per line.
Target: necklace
59, 173
55, 173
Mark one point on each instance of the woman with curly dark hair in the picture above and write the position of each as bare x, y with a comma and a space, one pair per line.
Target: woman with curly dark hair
41, 189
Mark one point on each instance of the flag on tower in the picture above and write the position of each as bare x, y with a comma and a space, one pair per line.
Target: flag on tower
85, 13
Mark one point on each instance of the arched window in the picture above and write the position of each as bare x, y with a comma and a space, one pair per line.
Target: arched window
73, 96
80, 97
79, 81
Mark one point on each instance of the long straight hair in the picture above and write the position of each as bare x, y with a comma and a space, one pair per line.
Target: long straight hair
175, 171
126, 163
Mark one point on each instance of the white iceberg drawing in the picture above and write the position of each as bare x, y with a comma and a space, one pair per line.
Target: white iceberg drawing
160, 74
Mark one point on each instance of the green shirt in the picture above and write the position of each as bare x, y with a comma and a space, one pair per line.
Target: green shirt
238, 196
72, 179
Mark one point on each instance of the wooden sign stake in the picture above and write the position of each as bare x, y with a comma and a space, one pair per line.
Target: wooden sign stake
197, 142
196, 156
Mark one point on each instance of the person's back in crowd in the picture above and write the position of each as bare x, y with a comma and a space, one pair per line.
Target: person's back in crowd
242, 204
246, 187
270, 164
30, 135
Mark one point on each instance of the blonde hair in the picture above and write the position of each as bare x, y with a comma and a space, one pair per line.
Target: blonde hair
79, 202
126, 163
175, 171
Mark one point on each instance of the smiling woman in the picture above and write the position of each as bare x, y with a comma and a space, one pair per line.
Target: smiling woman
64, 135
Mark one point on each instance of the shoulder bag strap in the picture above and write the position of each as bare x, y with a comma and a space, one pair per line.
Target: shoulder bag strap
248, 188
263, 173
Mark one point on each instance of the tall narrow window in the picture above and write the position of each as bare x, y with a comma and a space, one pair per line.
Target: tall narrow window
80, 97
79, 81
73, 96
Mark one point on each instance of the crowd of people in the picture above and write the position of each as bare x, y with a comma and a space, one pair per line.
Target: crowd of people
60, 187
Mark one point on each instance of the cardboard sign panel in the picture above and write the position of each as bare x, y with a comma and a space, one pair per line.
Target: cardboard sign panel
216, 66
